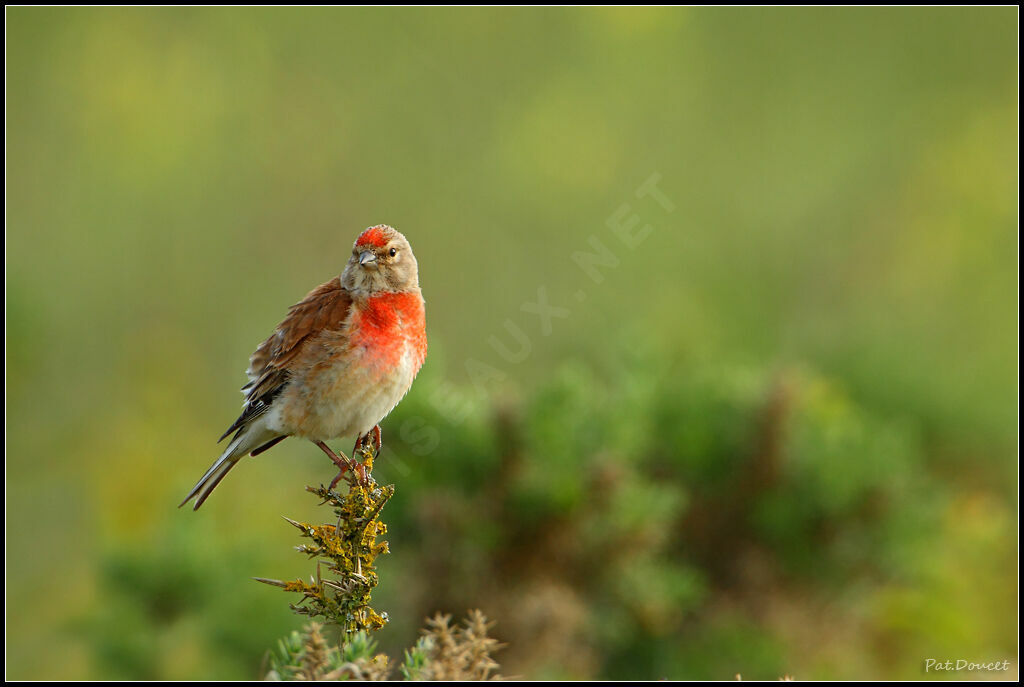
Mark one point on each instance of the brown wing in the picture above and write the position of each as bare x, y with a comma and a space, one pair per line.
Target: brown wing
325, 307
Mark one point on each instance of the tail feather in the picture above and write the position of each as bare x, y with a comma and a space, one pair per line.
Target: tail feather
213, 481
251, 438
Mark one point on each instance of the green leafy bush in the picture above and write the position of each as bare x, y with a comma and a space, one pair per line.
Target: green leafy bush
670, 520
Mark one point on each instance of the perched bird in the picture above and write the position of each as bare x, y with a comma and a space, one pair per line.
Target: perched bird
340, 361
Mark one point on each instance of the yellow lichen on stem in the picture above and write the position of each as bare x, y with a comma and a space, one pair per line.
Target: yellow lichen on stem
346, 550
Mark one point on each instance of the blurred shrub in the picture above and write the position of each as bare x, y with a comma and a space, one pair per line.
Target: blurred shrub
170, 608
667, 520
673, 521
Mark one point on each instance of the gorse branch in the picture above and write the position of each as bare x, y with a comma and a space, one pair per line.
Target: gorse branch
346, 551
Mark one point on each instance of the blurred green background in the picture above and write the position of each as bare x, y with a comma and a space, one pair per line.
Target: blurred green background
779, 436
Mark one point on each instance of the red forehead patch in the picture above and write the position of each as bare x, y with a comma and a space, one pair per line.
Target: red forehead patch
374, 236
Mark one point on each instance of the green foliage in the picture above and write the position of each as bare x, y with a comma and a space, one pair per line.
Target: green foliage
416, 657
443, 652
309, 656
820, 526
715, 498
303, 656
172, 605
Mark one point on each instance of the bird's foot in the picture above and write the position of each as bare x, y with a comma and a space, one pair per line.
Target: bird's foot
344, 464
372, 435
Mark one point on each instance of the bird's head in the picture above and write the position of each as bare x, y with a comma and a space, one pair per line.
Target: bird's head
382, 260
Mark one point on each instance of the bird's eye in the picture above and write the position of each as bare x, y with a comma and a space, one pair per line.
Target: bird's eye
393, 252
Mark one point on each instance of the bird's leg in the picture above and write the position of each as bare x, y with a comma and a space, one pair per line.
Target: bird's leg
343, 462
360, 443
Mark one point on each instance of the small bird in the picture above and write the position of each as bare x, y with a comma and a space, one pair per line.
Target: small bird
340, 361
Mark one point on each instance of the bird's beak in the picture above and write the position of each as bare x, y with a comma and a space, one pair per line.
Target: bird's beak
368, 257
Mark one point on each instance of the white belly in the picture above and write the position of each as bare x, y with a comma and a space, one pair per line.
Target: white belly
342, 401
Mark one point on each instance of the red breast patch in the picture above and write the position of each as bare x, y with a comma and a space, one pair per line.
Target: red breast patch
386, 323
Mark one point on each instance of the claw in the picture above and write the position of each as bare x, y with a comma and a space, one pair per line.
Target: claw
361, 441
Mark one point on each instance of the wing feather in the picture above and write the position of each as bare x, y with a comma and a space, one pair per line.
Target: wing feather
324, 308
